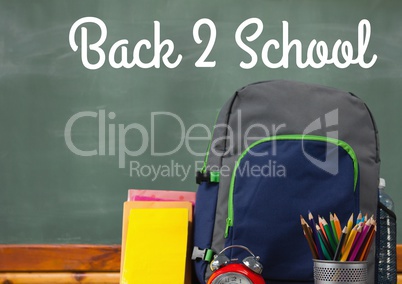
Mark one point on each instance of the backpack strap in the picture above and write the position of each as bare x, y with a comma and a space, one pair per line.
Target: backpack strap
207, 176
204, 254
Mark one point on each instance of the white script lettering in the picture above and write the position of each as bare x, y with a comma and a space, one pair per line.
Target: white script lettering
345, 48
121, 45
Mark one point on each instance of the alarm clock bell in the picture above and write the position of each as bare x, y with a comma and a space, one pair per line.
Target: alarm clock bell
229, 272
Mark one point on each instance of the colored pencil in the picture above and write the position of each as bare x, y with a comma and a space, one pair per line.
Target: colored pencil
308, 234
349, 244
356, 240
360, 240
368, 245
326, 242
365, 219
330, 236
352, 244
315, 235
350, 223
359, 218
324, 246
337, 226
350, 227
322, 227
333, 227
341, 244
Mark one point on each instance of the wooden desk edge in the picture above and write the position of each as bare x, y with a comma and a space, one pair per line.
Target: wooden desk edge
26, 258
59, 277
95, 264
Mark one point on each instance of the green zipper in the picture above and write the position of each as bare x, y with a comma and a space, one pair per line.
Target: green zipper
340, 143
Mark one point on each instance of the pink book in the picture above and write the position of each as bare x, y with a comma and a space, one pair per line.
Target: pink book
160, 195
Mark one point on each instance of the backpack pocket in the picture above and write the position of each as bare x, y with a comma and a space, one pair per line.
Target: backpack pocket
276, 180
204, 219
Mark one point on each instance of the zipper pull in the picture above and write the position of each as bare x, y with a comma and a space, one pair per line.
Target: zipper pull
228, 224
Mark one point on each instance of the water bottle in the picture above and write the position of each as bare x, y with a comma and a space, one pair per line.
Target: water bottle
386, 237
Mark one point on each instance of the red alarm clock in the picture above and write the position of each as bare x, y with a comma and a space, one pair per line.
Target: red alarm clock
225, 271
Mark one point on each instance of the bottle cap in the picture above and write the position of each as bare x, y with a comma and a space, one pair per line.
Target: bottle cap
382, 183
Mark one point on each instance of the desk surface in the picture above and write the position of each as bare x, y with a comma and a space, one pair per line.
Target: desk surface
91, 264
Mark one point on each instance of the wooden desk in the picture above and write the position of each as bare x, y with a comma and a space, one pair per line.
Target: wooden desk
59, 264
68, 264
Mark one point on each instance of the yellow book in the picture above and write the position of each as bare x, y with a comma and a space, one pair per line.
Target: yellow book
156, 246
128, 205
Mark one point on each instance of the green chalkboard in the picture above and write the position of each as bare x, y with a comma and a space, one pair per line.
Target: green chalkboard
78, 129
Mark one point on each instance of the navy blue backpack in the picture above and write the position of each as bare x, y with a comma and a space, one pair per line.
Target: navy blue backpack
281, 149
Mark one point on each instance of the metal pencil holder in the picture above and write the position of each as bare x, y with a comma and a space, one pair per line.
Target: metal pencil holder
336, 272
